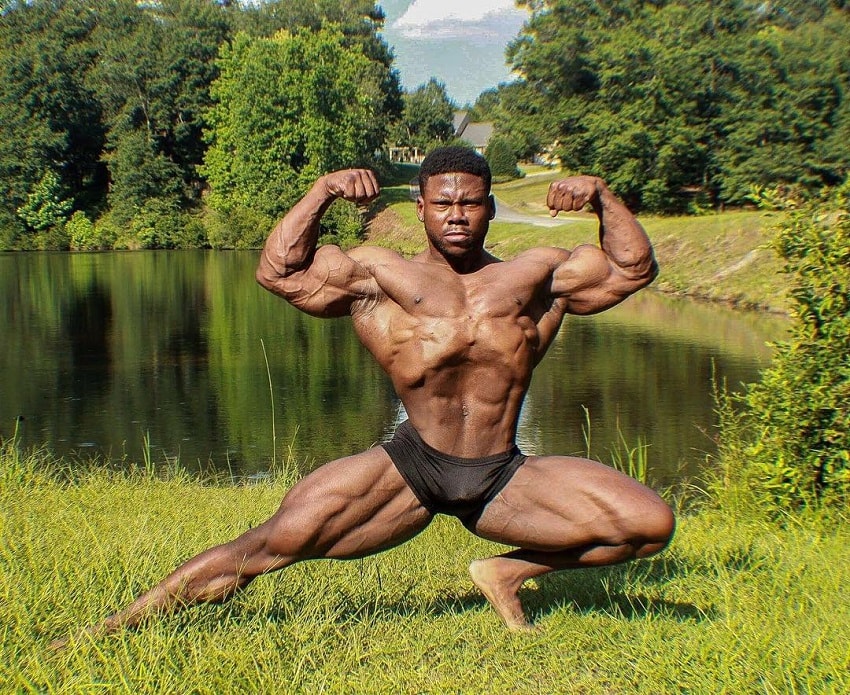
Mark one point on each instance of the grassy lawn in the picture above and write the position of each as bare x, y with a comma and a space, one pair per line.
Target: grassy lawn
735, 604
720, 257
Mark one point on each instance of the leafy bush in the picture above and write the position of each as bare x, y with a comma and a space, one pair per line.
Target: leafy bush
799, 412
240, 228
81, 232
45, 207
161, 224
502, 159
342, 225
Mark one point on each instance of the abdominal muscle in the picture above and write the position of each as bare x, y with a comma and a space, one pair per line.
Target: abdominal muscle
462, 380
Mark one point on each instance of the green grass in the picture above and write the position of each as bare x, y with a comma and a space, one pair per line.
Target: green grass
736, 604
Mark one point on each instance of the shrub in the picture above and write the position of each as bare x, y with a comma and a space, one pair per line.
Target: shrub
799, 448
342, 224
161, 224
502, 159
81, 232
240, 228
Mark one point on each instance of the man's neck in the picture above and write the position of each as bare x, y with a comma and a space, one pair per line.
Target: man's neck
462, 265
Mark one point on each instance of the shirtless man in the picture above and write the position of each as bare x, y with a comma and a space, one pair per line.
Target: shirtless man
459, 333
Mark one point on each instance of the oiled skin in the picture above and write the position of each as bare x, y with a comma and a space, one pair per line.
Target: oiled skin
459, 332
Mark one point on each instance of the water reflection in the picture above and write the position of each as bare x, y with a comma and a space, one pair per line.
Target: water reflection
101, 351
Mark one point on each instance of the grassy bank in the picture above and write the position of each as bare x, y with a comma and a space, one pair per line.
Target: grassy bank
734, 605
719, 257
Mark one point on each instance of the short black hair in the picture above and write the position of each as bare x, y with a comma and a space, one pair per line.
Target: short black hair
453, 159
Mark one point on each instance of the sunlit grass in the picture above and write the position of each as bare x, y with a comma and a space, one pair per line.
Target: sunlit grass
736, 604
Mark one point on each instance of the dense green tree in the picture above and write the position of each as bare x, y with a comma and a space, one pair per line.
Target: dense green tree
112, 97
427, 117
786, 103
287, 109
49, 121
502, 159
152, 78
671, 97
485, 106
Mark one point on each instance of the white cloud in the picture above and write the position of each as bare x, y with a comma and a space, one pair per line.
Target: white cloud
483, 20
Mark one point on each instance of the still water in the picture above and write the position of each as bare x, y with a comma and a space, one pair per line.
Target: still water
103, 353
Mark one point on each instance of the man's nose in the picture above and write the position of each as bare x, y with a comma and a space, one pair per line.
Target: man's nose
457, 213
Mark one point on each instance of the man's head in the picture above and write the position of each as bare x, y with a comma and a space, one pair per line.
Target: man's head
455, 205
454, 160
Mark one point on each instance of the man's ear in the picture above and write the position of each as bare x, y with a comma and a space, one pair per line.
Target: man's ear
420, 208
492, 206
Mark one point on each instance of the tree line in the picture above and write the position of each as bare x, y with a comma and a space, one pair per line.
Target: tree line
181, 122
683, 103
198, 122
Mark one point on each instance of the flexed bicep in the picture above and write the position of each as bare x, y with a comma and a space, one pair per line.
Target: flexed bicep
595, 278
322, 281
329, 286
590, 282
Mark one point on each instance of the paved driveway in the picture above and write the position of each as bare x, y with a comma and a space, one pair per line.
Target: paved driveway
505, 213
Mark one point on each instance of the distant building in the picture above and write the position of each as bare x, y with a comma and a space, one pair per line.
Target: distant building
476, 135
411, 155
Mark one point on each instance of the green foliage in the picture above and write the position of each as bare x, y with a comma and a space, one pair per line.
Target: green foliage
240, 227
44, 208
113, 96
502, 159
427, 119
288, 109
799, 451
48, 119
669, 100
140, 175
342, 225
81, 232
159, 224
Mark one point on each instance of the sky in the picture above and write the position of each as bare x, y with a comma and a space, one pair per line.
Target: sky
460, 42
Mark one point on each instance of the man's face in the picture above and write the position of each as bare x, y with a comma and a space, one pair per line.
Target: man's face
456, 209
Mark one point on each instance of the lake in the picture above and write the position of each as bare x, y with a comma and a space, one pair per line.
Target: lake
182, 354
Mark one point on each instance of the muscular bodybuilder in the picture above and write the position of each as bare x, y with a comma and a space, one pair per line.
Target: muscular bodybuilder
459, 332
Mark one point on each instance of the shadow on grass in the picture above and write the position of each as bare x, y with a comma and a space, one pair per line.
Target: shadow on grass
626, 592
622, 592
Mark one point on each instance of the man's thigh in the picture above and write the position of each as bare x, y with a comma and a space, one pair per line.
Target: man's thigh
554, 503
350, 507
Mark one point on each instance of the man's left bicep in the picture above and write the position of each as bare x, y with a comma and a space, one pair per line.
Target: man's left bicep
591, 282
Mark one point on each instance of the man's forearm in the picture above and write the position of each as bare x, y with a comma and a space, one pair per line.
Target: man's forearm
621, 236
292, 243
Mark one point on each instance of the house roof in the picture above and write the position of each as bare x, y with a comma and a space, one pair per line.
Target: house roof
459, 121
477, 134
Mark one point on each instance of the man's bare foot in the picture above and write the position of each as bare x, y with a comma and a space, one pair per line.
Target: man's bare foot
501, 592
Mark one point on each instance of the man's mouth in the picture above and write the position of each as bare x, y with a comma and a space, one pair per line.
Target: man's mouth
456, 235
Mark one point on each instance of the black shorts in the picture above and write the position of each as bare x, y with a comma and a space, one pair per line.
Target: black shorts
447, 484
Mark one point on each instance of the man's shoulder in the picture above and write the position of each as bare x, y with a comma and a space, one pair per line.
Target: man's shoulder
368, 252
373, 255
550, 255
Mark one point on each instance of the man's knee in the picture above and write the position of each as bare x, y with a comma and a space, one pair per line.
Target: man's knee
658, 524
